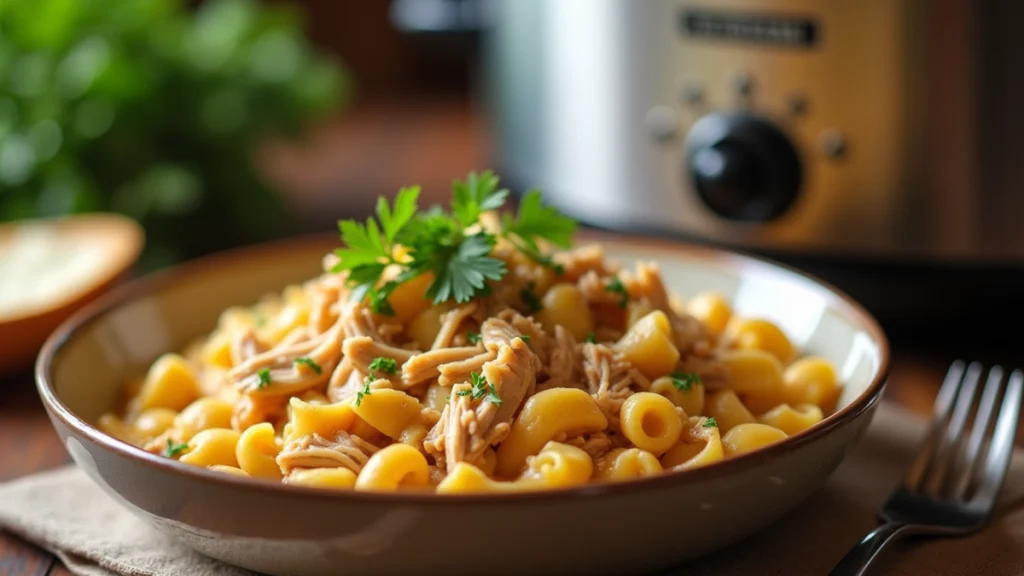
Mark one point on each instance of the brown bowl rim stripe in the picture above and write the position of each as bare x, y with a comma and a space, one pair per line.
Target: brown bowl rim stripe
733, 260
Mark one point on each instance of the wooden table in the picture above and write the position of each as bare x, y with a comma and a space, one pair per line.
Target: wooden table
428, 144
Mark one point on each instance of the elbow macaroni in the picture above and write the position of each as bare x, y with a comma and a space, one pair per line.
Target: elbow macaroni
636, 383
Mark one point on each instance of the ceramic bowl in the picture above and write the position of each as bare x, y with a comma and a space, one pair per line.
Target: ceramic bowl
630, 527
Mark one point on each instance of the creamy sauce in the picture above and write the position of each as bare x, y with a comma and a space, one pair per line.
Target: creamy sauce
39, 268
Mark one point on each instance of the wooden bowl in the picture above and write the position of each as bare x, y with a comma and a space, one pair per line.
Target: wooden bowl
629, 527
112, 244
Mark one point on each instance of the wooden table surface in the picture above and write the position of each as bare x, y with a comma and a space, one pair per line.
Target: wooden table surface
428, 144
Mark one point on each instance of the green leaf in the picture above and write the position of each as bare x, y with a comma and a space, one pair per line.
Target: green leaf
710, 423
684, 381
615, 285
309, 362
363, 244
405, 208
464, 273
477, 194
264, 376
173, 449
535, 221
591, 338
473, 337
383, 364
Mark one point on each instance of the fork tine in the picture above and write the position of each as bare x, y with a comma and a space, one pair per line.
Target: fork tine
1003, 437
972, 455
941, 411
949, 443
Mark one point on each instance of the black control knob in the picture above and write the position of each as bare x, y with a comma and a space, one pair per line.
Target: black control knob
743, 167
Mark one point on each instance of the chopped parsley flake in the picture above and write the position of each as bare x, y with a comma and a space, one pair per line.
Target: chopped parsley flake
592, 338
684, 381
174, 450
482, 388
312, 365
616, 286
364, 392
385, 365
264, 375
710, 423
525, 338
474, 337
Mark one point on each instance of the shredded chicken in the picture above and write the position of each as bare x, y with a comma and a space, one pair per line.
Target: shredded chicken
361, 351
427, 365
315, 451
324, 311
563, 364
595, 289
454, 372
245, 345
595, 444
608, 371
450, 323
472, 421
576, 263
687, 332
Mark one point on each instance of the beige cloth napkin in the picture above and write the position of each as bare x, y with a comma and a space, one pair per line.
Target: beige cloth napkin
64, 512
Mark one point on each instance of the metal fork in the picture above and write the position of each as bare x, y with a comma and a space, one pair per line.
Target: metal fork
951, 487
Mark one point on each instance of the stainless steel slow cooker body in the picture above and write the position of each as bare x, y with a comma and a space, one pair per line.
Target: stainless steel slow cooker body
784, 125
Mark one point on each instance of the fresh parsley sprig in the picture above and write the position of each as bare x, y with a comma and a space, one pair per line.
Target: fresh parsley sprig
449, 244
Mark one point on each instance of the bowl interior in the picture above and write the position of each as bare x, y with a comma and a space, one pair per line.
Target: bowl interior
167, 311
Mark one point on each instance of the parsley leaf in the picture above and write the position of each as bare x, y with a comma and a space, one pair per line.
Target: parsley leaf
525, 338
535, 221
465, 271
173, 450
477, 194
365, 391
482, 388
264, 375
473, 337
616, 285
309, 362
392, 221
591, 338
684, 381
530, 298
436, 241
710, 423
382, 364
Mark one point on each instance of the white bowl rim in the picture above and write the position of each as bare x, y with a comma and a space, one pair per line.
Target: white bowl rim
726, 259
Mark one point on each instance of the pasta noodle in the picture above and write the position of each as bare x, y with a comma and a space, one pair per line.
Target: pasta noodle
567, 370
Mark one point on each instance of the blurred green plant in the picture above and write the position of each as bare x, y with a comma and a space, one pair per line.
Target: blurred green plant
153, 110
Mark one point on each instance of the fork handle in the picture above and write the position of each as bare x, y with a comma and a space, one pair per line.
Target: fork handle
860, 557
